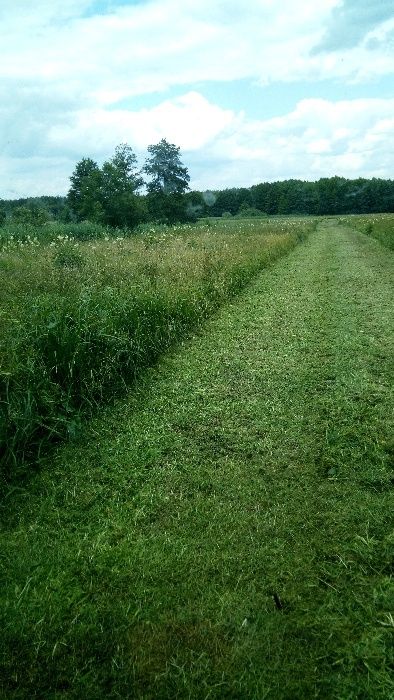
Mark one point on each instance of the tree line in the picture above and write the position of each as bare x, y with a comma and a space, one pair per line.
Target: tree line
121, 194
334, 195
112, 194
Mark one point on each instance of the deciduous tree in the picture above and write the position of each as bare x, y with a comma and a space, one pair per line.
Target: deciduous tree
120, 182
84, 196
108, 194
169, 180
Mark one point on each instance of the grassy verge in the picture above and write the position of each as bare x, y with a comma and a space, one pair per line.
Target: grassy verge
79, 320
379, 226
226, 530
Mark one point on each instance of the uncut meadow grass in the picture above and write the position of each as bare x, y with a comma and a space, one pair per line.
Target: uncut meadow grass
379, 226
79, 320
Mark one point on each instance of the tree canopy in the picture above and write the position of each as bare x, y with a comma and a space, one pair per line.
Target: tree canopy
331, 195
111, 194
168, 175
168, 183
120, 182
114, 194
84, 196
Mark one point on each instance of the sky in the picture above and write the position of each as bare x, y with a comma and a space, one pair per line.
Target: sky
251, 91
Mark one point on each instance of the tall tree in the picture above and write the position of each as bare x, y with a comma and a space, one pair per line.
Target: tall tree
3, 213
168, 175
168, 182
108, 194
120, 182
84, 196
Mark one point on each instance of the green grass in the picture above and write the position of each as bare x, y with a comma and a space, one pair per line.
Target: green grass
19, 235
379, 226
225, 531
80, 320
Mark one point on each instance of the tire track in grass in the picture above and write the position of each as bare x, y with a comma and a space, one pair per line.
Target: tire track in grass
225, 532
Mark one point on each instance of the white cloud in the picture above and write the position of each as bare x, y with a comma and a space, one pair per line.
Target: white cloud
318, 138
148, 47
319, 146
353, 20
63, 70
190, 121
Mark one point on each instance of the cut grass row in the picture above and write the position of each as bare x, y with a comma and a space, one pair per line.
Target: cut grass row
78, 321
225, 530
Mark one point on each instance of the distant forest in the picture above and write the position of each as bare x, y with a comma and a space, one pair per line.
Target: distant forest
335, 195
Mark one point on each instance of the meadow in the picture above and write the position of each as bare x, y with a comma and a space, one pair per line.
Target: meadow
84, 309
224, 529
379, 226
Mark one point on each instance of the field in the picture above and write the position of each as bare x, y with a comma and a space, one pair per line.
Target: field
79, 318
223, 529
377, 226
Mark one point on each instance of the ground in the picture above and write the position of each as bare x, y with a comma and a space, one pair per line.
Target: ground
225, 531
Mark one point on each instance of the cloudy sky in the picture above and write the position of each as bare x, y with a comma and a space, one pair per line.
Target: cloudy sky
251, 91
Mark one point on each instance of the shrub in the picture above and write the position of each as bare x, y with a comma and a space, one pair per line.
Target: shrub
250, 213
69, 256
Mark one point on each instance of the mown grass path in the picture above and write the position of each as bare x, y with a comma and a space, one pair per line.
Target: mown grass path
226, 531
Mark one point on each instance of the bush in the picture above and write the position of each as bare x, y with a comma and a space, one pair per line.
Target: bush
69, 256
250, 213
33, 215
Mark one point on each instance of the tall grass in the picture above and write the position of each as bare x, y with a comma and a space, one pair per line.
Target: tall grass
379, 226
19, 234
80, 320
